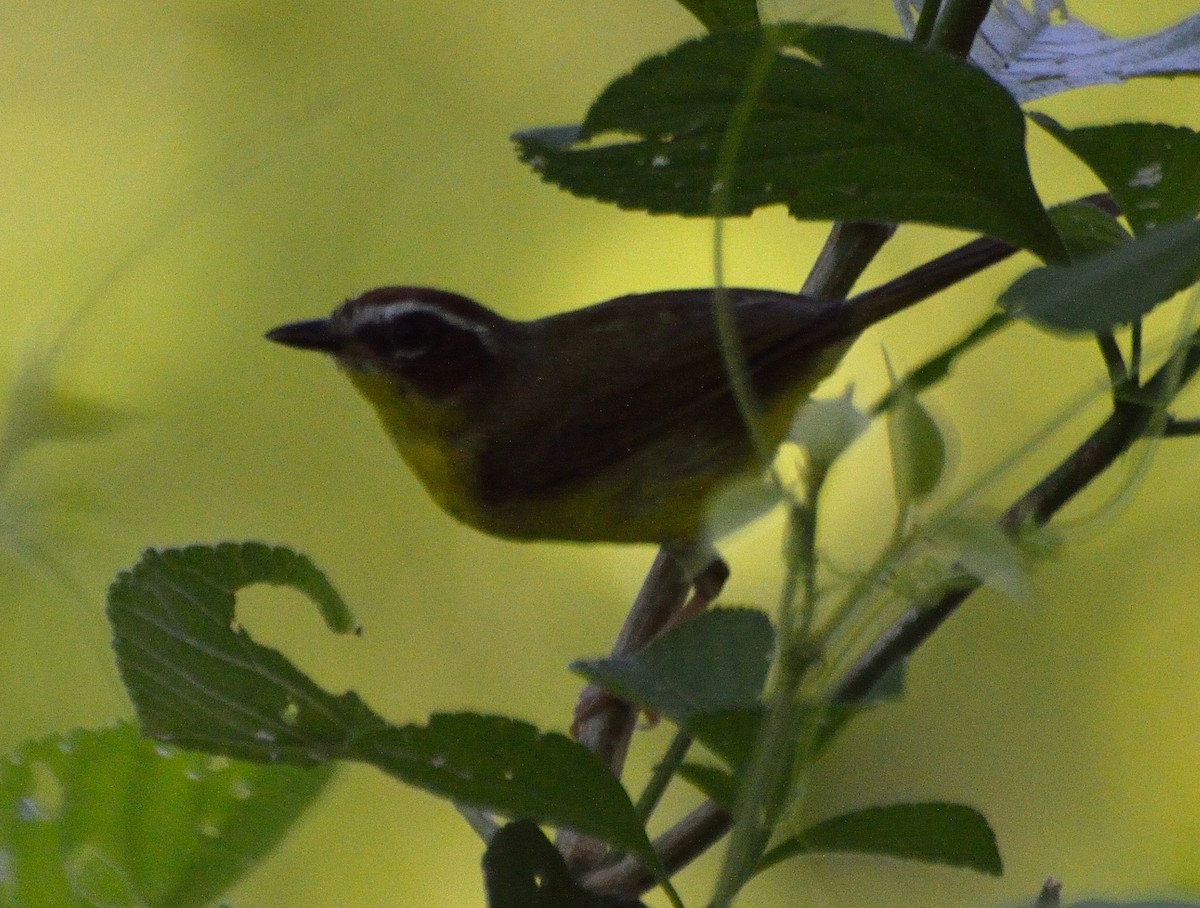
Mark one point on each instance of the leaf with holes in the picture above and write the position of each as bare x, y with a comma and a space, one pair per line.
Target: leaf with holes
832, 122
198, 680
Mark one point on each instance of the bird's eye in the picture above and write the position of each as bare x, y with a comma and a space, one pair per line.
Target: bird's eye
415, 334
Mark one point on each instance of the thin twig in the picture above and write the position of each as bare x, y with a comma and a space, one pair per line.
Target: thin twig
1114, 362
608, 730
663, 772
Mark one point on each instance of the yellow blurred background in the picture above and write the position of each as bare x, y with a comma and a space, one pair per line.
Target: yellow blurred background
179, 177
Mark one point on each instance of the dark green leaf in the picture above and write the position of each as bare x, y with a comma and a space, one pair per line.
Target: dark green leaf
1087, 230
508, 766
198, 680
1152, 170
936, 833
1111, 289
109, 818
720, 15
196, 677
848, 125
718, 785
716, 661
730, 735
521, 869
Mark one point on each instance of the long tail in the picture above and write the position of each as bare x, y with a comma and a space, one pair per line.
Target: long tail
887, 299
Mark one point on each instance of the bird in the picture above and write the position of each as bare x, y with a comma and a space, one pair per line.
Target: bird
612, 423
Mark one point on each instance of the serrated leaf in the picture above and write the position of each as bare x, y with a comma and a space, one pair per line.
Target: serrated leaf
1044, 50
108, 818
713, 662
814, 140
511, 767
1111, 289
936, 833
1152, 170
198, 680
720, 15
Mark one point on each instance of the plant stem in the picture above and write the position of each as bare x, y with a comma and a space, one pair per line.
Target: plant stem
664, 771
958, 24
929, 14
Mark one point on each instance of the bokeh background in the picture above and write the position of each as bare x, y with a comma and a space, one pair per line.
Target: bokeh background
175, 178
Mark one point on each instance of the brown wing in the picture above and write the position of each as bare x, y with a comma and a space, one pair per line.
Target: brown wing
651, 379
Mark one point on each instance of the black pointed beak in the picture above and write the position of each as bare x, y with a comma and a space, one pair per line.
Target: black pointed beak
316, 334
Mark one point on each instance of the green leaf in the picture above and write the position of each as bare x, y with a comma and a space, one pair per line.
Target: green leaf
733, 734
198, 680
521, 869
1114, 288
730, 735
720, 15
107, 818
985, 551
935, 833
713, 662
718, 785
510, 767
1087, 230
918, 450
848, 125
1152, 170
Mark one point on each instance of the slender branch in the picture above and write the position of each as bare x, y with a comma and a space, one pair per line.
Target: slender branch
1181, 428
664, 771
1114, 362
609, 728
929, 14
956, 26
677, 848
848, 250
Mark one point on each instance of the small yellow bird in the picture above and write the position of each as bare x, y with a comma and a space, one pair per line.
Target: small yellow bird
612, 423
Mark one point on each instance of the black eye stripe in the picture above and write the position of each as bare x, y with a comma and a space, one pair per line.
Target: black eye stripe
417, 333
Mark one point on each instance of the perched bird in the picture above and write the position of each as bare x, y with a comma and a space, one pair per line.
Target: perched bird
611, 423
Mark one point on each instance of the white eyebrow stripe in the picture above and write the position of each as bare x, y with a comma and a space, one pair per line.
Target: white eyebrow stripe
379, 314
